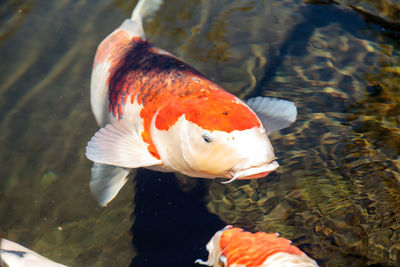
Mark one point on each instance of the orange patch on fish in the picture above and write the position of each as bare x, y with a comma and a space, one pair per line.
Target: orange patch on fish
251, 250
256, 176
210, 109
160, 82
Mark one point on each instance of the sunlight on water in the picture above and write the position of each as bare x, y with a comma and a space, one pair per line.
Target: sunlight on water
337, 192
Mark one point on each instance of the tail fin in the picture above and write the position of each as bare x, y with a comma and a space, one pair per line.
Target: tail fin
143, 9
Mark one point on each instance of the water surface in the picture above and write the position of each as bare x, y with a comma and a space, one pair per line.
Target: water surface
336, 194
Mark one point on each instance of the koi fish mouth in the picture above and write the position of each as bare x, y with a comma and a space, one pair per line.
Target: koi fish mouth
254, 172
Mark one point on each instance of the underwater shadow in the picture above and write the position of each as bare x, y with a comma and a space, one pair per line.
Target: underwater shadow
171, 227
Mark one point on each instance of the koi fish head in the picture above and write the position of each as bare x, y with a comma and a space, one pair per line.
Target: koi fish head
233, 146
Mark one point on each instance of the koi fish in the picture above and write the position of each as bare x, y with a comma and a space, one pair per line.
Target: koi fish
233, 247
160, 113
15, 255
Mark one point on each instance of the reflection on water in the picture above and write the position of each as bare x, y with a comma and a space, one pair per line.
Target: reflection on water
12, 14
45, 123
337, 191
388, 11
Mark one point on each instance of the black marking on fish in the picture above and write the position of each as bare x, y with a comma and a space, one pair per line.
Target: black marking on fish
142, 66
20, 254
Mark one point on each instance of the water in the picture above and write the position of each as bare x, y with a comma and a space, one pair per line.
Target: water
337, 191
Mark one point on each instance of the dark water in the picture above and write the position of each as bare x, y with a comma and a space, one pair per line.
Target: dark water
171, 226
337, 193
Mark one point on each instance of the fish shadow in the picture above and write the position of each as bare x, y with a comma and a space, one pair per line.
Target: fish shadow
171, 227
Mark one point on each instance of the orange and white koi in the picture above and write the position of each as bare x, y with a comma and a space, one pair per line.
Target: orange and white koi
233, 247
160, 113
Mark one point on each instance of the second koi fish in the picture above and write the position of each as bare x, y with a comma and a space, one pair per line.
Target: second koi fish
233, 247
159, 113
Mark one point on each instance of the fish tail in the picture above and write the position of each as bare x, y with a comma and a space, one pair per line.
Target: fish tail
143, 9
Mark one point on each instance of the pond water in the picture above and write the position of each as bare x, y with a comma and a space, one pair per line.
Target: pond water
336, 194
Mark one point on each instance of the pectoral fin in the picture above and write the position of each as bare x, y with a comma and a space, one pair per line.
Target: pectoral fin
106, 182
119, 145
274, 113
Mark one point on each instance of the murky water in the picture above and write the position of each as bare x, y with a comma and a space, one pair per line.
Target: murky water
337, 194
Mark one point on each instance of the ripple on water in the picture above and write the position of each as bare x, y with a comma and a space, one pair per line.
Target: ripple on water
337, 191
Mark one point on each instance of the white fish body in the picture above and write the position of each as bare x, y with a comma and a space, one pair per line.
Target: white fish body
15, 255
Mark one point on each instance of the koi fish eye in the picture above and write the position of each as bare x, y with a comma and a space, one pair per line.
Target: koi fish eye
208, 138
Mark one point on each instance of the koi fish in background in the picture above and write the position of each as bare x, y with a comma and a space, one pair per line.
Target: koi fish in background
15, 255
159, 113
233, 247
